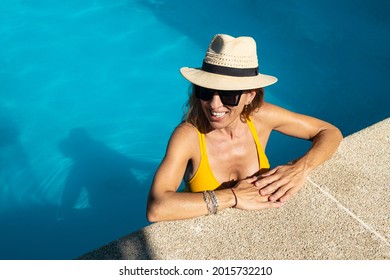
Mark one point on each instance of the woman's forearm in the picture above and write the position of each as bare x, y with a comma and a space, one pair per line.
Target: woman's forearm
325, 143
184, 205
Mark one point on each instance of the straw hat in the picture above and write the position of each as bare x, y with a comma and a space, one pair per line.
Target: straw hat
230, 64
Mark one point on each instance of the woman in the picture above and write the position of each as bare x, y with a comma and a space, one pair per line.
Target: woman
219, 148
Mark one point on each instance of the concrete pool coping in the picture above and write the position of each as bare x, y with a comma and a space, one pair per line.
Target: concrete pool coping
342, 213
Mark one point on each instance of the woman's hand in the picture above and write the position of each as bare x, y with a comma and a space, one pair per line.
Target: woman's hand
282, 182
249, 198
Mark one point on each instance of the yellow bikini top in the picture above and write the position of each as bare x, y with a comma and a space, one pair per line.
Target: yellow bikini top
204, 179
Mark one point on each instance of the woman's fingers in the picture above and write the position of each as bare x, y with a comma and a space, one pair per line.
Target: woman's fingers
270, 172
281, 182
271, 204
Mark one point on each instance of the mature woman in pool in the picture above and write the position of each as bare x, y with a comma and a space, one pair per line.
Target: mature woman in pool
219, 147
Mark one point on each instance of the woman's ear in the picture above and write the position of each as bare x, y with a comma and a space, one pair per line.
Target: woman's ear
251, 95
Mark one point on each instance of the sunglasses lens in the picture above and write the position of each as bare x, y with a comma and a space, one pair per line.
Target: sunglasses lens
205, 94
231, 97
228, 97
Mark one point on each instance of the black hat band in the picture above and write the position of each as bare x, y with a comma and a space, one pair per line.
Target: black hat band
230, 71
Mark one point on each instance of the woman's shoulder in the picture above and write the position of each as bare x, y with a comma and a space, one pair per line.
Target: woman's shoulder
266, 114
185, 135
273, 116
183, 143
186, 129
267, 108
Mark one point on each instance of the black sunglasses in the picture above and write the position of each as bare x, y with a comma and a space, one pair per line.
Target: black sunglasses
228, 97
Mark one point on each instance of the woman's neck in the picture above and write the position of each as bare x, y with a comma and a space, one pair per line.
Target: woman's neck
233, 131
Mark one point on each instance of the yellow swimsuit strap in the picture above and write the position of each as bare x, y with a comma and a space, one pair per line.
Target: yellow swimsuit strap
203, 178
263, 160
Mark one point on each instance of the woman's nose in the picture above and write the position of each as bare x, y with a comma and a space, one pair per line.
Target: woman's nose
216, 102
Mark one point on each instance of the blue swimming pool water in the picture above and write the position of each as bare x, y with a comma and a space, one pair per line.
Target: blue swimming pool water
90, 92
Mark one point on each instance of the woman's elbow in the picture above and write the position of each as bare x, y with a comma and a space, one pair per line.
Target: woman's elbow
332, 133
151, 216
338, 135
153, 213
158, 206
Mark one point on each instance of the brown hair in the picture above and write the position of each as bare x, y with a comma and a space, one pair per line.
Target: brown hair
194, 114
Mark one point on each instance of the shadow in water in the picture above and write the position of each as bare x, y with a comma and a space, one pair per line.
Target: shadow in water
104, 198
104, 189
106, 176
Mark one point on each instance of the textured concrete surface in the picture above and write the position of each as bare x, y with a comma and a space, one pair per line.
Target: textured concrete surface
341, 213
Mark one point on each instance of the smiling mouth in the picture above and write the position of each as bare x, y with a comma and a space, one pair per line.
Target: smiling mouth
217, 114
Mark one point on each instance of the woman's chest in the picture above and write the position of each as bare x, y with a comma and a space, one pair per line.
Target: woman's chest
233, 160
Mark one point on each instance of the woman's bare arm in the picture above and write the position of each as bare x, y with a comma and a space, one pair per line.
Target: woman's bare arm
164, 202
284, 181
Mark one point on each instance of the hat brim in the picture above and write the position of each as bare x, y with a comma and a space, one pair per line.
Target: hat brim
222, 82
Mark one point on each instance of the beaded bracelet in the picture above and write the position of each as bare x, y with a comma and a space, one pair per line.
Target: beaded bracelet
214, 200
209, 205
211, 202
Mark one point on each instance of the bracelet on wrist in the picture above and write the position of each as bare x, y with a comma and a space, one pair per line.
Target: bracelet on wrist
211, 202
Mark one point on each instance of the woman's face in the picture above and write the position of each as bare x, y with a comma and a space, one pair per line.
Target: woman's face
222, 116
